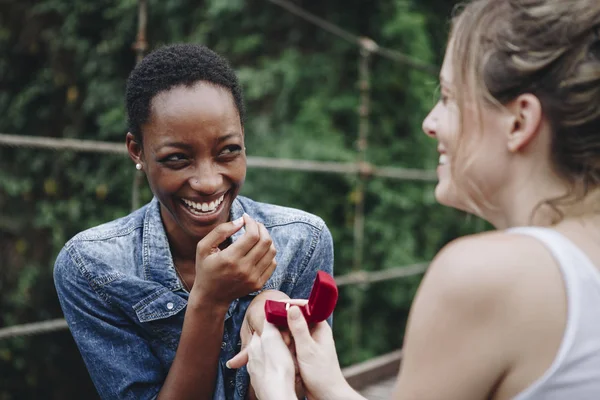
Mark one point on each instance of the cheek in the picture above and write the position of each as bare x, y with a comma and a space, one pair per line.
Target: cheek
163, 182
237, 172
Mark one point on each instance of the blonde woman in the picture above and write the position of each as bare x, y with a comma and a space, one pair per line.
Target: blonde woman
513, 313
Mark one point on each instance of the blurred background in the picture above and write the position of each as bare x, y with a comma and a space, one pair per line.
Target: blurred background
313, 92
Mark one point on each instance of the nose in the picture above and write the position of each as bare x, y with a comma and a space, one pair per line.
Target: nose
206, 179
430, 124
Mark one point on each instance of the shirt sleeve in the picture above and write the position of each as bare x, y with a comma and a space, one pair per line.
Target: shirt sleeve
119, 361
320, 259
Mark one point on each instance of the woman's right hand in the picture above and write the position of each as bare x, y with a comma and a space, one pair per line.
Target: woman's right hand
317, 359
244, 267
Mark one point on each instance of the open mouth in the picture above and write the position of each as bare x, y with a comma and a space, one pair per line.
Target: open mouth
204, 209
443, 159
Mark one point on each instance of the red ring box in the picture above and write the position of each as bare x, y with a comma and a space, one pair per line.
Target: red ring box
321, 303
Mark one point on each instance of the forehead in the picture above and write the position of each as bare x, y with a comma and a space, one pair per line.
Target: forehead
198, 113
446, 71
200, 98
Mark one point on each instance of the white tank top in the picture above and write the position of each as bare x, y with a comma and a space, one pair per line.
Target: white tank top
575, 371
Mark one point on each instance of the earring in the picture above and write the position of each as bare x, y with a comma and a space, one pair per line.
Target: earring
138, 166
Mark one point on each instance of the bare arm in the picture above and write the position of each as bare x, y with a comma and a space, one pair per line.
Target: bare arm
455, 343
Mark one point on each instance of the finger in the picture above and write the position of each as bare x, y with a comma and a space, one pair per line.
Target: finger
264, 248
254, 353
255, 348
247, 241
294, 302
270, 332
265, 262
287, 338
210, 243
266, 274
271, 337
298, 327
239, 360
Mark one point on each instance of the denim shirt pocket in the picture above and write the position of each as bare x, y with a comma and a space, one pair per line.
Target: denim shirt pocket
160, 315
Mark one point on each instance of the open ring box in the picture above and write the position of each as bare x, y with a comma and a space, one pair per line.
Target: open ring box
321, 303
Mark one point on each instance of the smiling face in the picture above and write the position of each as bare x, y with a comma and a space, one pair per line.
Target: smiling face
472, 141
193, 156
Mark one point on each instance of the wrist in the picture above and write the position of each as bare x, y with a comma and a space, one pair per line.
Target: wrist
341, 391
199, 300
259, 301
270, 294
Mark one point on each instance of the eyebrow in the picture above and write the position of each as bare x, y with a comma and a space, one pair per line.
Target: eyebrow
186, 146
224, 138
444, 83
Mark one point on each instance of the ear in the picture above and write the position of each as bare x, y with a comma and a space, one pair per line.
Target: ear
526, 121
134, 148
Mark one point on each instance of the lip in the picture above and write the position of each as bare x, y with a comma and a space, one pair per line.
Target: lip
208, 218
205, 200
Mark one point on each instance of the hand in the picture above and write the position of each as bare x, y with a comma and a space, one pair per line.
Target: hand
317, 359
245, 266
254, 320
271, 371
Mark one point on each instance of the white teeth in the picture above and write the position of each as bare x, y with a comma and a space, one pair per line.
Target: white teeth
204, 207
443, 159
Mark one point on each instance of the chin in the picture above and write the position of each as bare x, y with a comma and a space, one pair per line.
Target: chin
446, 194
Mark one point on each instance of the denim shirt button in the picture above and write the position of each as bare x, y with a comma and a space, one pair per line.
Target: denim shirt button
169, 305
223, 345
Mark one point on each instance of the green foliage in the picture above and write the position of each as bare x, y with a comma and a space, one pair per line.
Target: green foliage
63, 72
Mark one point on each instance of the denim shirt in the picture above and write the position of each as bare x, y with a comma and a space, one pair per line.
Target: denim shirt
125, 305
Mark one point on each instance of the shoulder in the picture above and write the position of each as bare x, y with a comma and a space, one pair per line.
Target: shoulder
485, 268
106, 244
272, 215
108, 230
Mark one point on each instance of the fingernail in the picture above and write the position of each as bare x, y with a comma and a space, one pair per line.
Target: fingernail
228, 365
295, 313
238, 222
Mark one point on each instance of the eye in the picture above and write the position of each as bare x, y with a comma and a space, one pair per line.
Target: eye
230, 151
443, 98
175, 160
174, 157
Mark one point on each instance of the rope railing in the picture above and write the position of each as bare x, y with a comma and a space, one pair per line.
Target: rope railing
354, 39
94, 146
33, 328
365, 277
353, 278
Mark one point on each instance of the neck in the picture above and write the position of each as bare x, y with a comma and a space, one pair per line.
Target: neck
542, 203
182, 245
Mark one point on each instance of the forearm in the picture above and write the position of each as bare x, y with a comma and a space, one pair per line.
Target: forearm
193, 372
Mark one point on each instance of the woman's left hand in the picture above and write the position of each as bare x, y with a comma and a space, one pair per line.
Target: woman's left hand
272, 371
254, 321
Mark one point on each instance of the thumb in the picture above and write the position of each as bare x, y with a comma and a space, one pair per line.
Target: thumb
211, 242
298, 327
239, 360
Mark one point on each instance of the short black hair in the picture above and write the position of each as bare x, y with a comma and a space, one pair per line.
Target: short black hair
174, 65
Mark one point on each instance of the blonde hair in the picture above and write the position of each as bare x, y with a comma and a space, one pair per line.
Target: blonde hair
501, 49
